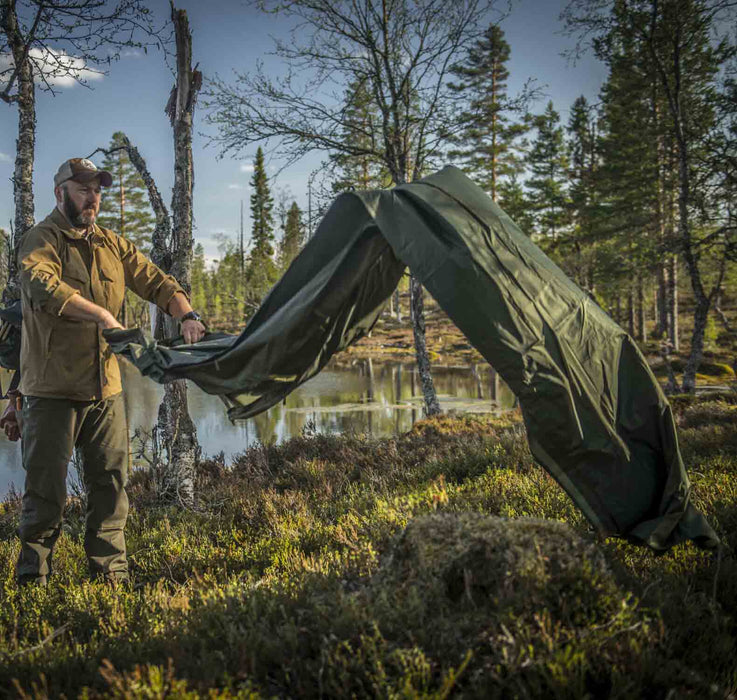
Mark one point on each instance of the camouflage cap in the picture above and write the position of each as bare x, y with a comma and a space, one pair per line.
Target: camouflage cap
81, 170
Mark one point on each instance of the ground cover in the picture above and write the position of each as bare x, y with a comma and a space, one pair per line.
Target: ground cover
440, 563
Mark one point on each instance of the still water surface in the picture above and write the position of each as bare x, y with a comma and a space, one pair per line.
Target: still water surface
364, 398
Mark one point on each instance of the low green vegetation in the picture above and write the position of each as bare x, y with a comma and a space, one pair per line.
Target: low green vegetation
440, 563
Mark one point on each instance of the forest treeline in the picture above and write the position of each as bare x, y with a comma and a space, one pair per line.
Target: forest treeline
633, 194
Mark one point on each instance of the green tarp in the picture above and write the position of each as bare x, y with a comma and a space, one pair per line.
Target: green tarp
596, 417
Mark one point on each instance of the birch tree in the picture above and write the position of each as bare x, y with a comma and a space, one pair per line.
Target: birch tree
45, 44
400, 51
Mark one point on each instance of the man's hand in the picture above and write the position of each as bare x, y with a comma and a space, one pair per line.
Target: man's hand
108, 321
9, 421
81, 309
192, 331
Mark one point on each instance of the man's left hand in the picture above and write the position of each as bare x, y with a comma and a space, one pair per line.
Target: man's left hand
192, 331
9, 422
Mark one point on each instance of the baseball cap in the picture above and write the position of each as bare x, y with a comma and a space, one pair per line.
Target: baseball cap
81, 170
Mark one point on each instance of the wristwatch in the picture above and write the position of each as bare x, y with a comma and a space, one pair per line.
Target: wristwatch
191, 316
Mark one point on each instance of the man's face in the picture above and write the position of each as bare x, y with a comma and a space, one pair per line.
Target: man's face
80, 201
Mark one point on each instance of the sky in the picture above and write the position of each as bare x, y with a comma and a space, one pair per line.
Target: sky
230, 36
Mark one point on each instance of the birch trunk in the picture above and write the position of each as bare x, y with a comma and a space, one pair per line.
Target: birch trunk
417, 314
702, 302
177, 432
661, 305
432, 407
641, 312
672, 287
26, 142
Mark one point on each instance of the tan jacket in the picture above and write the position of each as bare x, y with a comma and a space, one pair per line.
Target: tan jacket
61, 357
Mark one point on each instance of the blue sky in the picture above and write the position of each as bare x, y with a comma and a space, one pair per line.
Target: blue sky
230, 36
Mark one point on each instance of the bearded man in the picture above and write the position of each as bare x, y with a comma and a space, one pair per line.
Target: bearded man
73, 276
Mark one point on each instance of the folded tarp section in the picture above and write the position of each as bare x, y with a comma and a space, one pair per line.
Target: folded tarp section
596, 417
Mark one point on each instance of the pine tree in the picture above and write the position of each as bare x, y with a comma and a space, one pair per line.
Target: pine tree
125, 208
486, 145
293, 239
628, 179
583, 150
684, 56
548, 164
359, 128
515, 202
261, 272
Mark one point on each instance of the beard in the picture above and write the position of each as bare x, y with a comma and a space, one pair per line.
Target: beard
79, 218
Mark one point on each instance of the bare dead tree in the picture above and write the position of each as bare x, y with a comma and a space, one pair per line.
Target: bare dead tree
44, 43
401, 51
172, 246
174, 423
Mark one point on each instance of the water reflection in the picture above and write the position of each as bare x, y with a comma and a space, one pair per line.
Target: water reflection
364, 398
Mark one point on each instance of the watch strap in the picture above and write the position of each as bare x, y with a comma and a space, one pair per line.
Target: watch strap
191, 316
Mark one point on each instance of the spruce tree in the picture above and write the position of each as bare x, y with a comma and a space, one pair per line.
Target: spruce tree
261, 272
293, 239
548, 164
486, 145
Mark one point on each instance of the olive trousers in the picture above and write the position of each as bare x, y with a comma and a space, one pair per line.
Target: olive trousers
52, 428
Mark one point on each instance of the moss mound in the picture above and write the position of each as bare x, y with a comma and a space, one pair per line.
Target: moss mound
470, 560
706, 413
515, 596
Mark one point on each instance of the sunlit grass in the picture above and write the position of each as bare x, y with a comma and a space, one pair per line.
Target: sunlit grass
291, 580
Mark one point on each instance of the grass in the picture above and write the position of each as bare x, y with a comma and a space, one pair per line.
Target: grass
440, 563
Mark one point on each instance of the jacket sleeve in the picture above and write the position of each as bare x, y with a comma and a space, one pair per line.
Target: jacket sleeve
40, 271
147, 280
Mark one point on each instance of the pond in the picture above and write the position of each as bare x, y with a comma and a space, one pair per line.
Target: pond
364, 397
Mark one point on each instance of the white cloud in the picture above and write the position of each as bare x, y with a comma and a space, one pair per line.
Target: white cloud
5, 158
233, 186
57, 68
247, 168
132, 53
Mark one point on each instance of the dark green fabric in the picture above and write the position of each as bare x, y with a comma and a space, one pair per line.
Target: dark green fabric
596, 417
